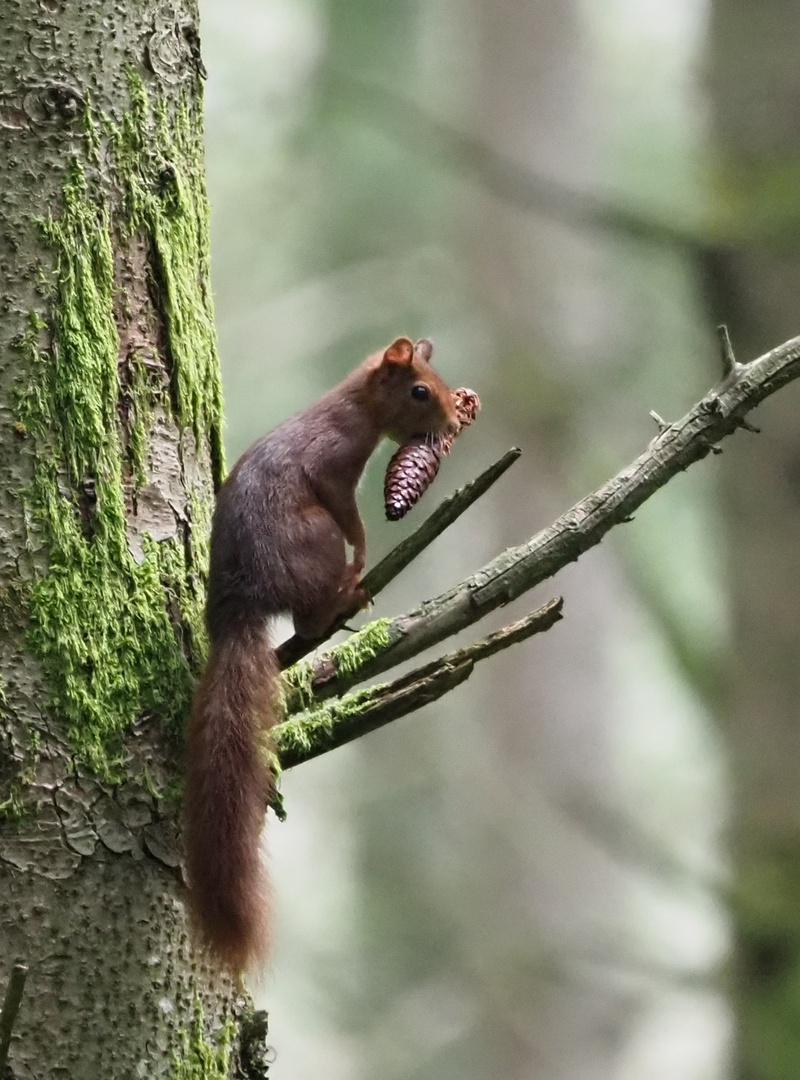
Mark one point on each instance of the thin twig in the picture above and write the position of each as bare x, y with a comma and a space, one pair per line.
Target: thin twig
313, 733
731, 371
399, 557
726, 350
661, 423
442, 517
519, 569
14, 992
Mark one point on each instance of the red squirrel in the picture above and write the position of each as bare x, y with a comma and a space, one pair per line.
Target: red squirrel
278, 535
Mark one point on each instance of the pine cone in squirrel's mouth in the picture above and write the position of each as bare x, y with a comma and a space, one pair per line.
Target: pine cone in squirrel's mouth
413, 468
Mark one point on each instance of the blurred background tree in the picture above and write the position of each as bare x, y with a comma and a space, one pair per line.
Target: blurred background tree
755, 114
530, 879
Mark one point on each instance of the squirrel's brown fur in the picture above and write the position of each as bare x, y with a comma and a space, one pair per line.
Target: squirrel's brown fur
278, 545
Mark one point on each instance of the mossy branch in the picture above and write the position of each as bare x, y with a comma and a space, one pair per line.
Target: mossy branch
518, 569
407, 550
330, 725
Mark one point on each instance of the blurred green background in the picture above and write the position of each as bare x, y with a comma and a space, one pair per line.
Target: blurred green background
585, 863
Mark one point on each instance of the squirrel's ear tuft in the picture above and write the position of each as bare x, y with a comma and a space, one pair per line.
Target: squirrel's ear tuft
400, 351
424, 348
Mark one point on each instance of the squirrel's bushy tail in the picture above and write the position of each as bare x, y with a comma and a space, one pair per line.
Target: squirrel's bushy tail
227, 789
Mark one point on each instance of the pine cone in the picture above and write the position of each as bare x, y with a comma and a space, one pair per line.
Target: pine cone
410, 472
413, 468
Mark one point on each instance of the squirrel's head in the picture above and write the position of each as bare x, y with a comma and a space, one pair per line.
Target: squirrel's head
410, 398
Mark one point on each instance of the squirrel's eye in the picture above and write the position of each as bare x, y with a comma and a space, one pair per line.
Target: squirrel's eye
420, 392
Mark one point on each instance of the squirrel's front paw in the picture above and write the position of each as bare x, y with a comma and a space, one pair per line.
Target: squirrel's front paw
352, 594
351, 579
361, 598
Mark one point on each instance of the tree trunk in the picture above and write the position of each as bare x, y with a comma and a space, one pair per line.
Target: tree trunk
109, 446
755, 84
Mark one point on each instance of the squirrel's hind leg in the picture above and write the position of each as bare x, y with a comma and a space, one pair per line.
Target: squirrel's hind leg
325, 585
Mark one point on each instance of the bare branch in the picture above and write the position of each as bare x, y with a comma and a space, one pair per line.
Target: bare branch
322, 729
399, 557
519, 569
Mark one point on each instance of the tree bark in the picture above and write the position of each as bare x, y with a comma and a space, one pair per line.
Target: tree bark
109, 446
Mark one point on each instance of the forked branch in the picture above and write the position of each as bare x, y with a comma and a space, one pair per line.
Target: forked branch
518, 569
324, 728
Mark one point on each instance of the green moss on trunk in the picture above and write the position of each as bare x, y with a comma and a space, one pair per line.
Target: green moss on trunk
158, 158
101, 623
201, 1058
